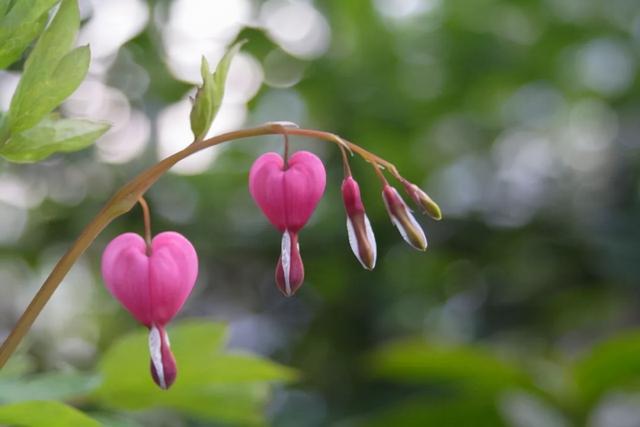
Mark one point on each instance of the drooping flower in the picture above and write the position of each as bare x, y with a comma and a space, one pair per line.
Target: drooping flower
288, 194
152, 284
403, 219
361, 237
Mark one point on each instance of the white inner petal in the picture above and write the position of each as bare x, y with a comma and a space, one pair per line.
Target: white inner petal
285, 259
412, 219
372, 240
353, 241
155, 349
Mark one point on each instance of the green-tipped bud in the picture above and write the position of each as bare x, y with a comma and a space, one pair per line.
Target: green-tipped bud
423, 200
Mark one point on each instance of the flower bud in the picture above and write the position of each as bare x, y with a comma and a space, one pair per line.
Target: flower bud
290, 270
423, 200
403, 219
361, 238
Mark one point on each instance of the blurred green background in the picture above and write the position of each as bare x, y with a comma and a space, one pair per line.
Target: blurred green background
519, 117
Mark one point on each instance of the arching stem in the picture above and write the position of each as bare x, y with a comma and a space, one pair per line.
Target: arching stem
126, 198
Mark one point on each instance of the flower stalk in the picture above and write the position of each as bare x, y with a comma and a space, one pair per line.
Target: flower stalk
131, 193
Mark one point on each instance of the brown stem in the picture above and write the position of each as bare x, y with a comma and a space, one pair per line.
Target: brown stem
345, 162
286, 149
126, 198
119, 204
147, 223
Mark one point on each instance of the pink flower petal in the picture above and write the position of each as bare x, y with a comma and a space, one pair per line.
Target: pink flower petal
152, 288
289, 196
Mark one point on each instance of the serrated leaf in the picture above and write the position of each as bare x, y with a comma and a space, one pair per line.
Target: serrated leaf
19, 26
211, 382
51, 72
44, 414
51, 136
50, 386
209, 96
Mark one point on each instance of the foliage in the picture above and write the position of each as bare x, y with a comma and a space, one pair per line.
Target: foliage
519, 118
213, 383
51, 73
209, 96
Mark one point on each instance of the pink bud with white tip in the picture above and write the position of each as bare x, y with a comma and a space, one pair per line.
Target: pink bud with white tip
361, 237
403, 219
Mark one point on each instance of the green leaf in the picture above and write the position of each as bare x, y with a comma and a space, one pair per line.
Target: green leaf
51, 72
613, 364
114, 420
468, 368
18, 41
434, 411
19, 26
51, 136
212, 383
51, 386
4, 7
44, 414
209, 96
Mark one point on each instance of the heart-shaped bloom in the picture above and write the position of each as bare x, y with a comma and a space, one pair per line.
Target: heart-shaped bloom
152, 285
288, 195
361, 237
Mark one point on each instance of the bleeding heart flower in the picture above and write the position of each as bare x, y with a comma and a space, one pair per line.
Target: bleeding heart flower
152, 286
288, 195
361, 237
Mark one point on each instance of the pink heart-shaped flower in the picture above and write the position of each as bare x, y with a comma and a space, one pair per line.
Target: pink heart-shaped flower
151, 287
287, 196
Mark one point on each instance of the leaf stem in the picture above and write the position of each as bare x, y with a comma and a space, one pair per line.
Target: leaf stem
130, 194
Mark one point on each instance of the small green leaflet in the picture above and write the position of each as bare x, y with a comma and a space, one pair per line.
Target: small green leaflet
209, 96
51, 136
19, 26
52, 72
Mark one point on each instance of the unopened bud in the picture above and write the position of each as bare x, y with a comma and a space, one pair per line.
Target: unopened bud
290, 270
423, 200
163, 364
403, 219
361, 238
